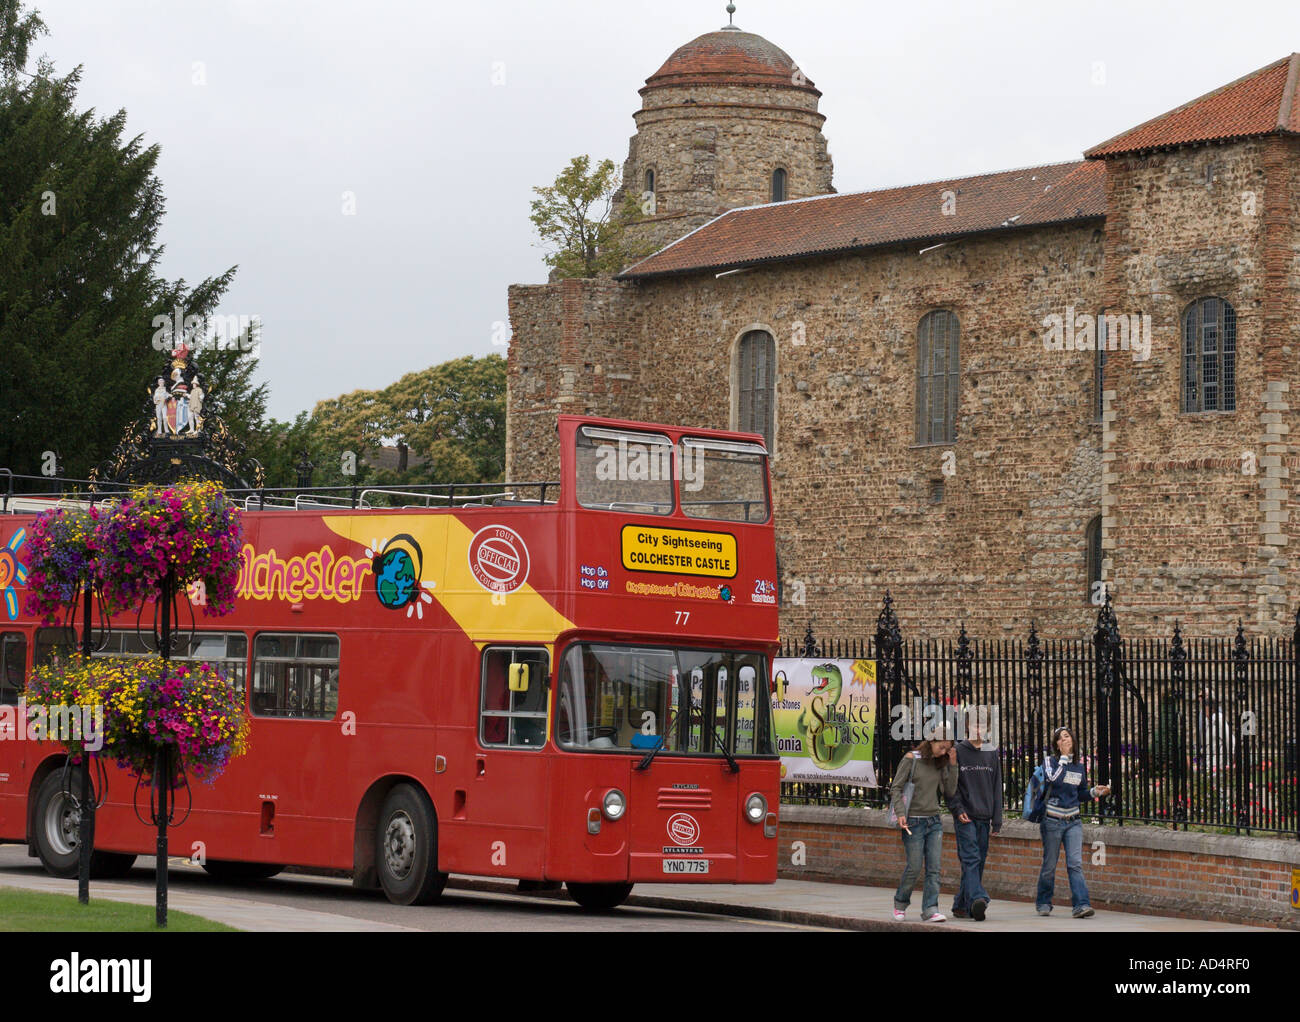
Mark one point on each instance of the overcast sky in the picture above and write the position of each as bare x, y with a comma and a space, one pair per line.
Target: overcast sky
394, 101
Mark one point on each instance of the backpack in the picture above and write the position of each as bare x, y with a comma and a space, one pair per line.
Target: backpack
1035, 805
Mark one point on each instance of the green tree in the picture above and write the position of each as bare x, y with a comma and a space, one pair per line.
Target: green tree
279, 447
578, 219
447, 424
80, 210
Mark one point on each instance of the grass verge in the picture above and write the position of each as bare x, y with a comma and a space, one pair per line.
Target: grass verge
28, 911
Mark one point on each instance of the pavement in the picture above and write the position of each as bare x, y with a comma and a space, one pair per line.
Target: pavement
855, 907
798, 902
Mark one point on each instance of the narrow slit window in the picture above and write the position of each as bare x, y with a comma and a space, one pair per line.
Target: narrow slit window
778, 185
756, 385
937, 378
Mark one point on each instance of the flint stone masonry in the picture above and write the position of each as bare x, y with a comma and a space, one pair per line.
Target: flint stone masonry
854, 492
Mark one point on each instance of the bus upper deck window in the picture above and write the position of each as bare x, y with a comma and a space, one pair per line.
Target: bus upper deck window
623, 470
724, 480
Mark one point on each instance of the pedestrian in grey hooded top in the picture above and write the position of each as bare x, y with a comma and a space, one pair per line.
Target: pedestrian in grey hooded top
933, 764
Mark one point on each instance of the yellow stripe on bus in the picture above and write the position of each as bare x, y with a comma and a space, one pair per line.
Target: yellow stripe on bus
520, 616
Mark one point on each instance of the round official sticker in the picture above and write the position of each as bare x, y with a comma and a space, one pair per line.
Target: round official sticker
683, 830
499, 559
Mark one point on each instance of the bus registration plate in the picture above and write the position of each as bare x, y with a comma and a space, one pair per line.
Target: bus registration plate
686, 865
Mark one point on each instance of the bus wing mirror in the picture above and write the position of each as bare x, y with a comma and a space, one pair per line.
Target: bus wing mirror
518, 677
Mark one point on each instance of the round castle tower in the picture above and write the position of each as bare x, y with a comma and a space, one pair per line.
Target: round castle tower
728, 121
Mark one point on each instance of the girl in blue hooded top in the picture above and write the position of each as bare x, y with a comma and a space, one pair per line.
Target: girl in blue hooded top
1067, 788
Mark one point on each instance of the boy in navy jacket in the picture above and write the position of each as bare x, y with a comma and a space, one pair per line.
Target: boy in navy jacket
976, 815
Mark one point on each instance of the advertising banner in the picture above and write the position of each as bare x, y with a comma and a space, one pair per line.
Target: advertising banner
825, 715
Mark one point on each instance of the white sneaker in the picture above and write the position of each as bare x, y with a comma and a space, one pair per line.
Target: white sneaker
899, 916
938, 917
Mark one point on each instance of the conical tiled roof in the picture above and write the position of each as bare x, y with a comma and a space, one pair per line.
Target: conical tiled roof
1261, 103
730, 57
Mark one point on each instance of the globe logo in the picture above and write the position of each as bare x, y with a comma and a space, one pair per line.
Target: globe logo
395, 578
397, 565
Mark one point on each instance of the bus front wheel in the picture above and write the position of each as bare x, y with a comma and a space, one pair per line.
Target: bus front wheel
599, 897
406, 848
57, 827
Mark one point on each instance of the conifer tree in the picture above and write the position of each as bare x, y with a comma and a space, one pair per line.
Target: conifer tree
80, 209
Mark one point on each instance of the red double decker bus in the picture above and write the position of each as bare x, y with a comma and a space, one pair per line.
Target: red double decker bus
547, 682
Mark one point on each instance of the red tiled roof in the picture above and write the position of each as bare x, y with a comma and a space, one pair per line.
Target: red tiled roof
844, 223
729, 57
1261, 103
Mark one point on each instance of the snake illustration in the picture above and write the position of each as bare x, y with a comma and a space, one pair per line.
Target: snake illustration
823, 741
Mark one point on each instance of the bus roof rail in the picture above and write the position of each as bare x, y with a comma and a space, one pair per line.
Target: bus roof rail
449, 497
18, 492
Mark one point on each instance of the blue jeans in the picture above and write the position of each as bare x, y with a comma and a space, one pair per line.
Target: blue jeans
925, 842
1055, 833
972, 851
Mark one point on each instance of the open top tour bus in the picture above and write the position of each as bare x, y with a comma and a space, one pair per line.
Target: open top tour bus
550, 682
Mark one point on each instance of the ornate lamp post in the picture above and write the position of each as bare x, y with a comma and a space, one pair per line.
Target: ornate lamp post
305, 468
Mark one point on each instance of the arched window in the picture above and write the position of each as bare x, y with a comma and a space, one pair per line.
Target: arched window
1093, 545
778, 185
650, 181
1209, 356
937, 373
756, 384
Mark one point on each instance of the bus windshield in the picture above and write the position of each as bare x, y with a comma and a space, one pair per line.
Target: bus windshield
637, 699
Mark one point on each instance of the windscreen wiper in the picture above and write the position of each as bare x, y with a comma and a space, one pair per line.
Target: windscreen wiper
722, 747
648, 758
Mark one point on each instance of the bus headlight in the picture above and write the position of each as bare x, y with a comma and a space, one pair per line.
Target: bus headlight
755, 808
614, 804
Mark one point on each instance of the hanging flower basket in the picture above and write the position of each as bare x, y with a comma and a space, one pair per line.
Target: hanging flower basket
142, 704
62, 551
190, 530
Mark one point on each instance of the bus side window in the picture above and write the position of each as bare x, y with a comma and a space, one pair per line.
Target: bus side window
296, 675
53, 642
13, 662
513, 719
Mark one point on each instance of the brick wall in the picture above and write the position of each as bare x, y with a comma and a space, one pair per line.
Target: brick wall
1146, 869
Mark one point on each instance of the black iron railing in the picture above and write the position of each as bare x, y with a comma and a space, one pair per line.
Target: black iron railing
1187, 731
